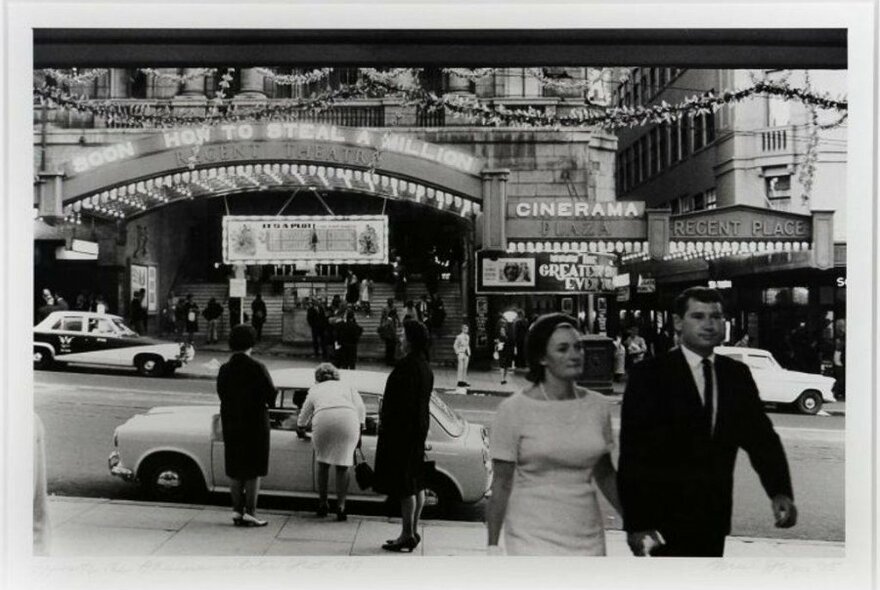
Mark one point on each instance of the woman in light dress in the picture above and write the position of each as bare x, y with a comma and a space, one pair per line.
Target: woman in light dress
337, 414
551, 449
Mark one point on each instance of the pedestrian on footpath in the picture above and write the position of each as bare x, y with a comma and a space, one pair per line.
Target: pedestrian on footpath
180, 311
619, 358
136, 312
192, 318
366, 295
258, 315
388, 325
348, 333
400, 449
551, 452
212, 314
684, 417
462, 349
337, 415
316, 317
352, 290
504, 350
246, 393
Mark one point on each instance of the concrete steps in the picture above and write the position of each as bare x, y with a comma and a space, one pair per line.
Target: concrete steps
371, 346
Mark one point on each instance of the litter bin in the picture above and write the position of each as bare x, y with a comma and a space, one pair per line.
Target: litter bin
598, 372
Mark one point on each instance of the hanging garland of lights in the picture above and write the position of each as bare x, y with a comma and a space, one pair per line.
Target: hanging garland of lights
470, 74
179, 78
808, 166
459, 106
295, 79
74, 76
403, 79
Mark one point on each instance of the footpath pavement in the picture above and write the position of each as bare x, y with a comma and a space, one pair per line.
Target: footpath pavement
86, 527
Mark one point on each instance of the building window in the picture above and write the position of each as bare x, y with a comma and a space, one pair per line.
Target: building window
685, 136
698, 132
646, 85
699, 202
654, 150
675, 206
674, 133
637, 90
778, 190
710, 128
664, 146
643, 155
711, 198
687, 204
630, 168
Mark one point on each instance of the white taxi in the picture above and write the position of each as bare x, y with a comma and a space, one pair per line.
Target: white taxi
104, 339
804, 391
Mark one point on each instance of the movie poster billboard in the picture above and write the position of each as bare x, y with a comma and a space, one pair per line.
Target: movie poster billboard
545, 273
291, 239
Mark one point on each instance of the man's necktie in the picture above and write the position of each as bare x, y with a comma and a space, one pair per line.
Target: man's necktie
709, 401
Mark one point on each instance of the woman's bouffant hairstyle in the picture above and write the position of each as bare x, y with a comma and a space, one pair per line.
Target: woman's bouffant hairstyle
326, 372
242, 337
416, 336
538, 337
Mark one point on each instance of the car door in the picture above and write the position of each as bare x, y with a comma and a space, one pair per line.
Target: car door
103, 344
291, 459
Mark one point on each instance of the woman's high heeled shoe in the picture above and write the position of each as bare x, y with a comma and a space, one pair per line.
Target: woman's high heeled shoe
406, 546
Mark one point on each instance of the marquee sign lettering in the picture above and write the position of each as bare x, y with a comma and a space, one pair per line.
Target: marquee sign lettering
266, 134
292, 239
555, 208
544, 273
742, 222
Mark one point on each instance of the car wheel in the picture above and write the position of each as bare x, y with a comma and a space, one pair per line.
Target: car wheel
172, 478
440, 496
810, 402
150, 365
42, 358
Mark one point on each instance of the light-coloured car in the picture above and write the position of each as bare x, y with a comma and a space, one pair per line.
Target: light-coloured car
177, 452
805, 391
104, 339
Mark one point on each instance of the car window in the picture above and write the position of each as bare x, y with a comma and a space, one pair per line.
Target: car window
100, 326
122, 328
759, 362
70, 324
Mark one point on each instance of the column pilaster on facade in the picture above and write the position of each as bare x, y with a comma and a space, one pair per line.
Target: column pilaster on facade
251, 86
119, 85
658, 232
823, 239
495, 209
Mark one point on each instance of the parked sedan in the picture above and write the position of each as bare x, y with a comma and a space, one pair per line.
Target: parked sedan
104, 339
804, 391
177, 452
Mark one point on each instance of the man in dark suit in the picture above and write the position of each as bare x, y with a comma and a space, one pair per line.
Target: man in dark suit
684, 416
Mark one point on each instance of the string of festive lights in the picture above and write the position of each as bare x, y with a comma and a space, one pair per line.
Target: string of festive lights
479, 111
295, 79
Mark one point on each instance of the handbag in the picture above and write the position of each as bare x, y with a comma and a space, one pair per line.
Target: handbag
363, 473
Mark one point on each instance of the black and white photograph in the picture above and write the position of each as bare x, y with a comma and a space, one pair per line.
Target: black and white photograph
315, 287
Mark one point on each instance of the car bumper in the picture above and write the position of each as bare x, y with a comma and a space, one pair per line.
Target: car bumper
114, 463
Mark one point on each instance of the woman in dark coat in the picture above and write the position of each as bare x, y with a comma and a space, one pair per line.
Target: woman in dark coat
403, 428
246, 392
